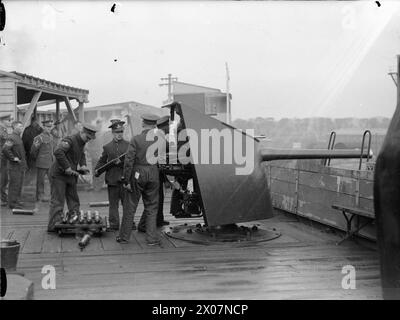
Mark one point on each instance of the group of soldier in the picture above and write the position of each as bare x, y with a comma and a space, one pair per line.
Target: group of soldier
18, 152
129, 175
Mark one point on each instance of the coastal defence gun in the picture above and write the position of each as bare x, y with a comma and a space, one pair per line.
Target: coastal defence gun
228, 187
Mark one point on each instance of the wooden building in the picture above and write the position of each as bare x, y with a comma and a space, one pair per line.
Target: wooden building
22, 94
130, 112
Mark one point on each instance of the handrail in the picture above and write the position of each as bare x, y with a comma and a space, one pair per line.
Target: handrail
362, 147
331, 145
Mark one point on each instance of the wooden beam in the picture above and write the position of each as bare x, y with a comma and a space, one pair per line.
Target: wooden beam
69, 107
32, 107
39, 104
58, 116
57, 110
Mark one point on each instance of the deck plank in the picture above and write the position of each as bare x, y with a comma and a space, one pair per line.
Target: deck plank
304, 263
51, 243
34, 241
21, 236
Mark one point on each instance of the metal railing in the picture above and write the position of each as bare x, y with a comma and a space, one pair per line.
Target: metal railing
362, 147
331, 145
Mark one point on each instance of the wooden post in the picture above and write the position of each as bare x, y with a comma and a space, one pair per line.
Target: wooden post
57, 110
32, 107
58, 116
81, 112
69, 108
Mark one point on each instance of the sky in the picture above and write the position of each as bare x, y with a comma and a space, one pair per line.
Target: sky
285, 59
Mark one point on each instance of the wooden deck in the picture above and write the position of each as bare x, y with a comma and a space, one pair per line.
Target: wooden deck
304, 263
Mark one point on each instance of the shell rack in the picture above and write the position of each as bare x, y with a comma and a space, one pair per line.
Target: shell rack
74, 223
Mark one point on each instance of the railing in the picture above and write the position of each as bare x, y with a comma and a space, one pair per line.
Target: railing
362, 147
331, 145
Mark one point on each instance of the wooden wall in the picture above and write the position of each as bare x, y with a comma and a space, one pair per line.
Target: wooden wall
308, 189
8, 96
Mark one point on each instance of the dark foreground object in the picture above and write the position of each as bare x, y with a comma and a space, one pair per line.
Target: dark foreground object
387, 204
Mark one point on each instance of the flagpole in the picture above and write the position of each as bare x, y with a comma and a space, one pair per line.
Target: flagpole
228, 100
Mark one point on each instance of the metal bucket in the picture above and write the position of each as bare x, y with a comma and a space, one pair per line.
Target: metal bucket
9, 254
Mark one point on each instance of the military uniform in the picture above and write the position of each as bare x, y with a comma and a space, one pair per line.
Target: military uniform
68, 155
28, 136
42, 150
3, 165
13, 149
116, 192
144, 180
162, 124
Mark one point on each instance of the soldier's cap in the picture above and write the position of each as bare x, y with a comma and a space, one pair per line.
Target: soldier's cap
150, 118
117, 126
162, 121
90, 130
5, 116
48, 122
114, 121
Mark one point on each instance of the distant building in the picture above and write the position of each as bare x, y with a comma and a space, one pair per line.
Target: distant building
210, 101
21, 95
122, 111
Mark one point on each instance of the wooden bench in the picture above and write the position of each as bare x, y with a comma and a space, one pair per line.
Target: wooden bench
353, 212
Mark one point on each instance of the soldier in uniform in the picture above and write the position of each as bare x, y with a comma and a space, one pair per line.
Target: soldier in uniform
63, 172
29, 134
163, 125
5, 129
14, 151
42, 150
141, 180
112, 151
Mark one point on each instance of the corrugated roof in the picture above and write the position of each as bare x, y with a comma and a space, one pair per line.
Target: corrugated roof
30, 79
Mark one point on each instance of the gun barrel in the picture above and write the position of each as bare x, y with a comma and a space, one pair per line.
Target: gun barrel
268, 154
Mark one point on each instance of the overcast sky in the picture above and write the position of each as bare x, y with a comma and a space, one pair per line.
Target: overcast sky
286, 59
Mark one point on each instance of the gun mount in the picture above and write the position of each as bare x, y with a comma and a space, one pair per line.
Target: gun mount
220, 193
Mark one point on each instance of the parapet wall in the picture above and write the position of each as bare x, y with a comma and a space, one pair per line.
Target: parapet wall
308, 189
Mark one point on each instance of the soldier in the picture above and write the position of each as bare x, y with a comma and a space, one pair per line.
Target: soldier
42, 150
141, 179
163, 125
112, 151
29, 134
13, 150
64, 177
5, 129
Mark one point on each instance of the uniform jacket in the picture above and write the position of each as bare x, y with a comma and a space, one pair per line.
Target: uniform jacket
3, 138
111, 151
29, 134
68, 154
14, 147
136, 154
42, 150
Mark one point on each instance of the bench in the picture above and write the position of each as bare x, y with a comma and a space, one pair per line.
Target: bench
353, 212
